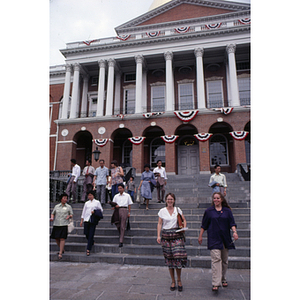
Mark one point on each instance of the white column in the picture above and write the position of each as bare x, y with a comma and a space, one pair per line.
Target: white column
84, 111
169, 82
101, 88
144, 91
110, 87
200, 78
139, 83
235, 99
67, 86
117, 93
75, 91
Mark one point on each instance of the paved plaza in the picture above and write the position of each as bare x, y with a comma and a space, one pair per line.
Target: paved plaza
97, 281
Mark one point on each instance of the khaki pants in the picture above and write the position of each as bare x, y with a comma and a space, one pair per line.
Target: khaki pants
219, 265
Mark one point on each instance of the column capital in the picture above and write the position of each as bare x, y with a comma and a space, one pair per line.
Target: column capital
77, 67
230, 48
199, 52
68, 67
139, 59
111, 62
102, 63
168, 55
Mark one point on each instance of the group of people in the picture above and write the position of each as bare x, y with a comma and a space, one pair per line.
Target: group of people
217, 220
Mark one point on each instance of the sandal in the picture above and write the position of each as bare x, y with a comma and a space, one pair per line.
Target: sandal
215, 288
87, 252
172, 288
224, 283
59, 256
180, 287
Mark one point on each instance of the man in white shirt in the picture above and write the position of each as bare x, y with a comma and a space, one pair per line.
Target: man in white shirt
217, 181
161, 177
88, 173
72, 185
124, 202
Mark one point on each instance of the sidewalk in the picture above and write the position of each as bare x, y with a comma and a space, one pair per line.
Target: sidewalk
97, 281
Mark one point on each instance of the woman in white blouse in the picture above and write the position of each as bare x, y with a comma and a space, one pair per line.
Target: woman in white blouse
172, 242
89, 228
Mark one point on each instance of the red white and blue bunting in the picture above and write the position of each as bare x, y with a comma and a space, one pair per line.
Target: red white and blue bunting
182, 29
148, 115
239, 135
224, 110
203, 137
169, 138
186, 116
136, 140
120, 116
102, 142
123, 37
88, 42
153, 34
245, 21
213, 26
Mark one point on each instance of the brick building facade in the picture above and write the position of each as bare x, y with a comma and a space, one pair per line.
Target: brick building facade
181, 59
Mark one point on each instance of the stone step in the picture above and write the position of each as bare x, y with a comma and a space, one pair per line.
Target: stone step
154, 260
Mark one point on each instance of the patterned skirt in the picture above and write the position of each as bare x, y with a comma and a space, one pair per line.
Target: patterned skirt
173, 249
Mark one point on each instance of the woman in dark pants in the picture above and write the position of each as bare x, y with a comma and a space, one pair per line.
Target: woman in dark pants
218, 220
89, 228
62, 213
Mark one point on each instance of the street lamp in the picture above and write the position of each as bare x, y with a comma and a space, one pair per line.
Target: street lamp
96, 154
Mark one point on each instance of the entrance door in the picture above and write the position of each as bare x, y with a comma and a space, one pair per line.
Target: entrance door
188, 158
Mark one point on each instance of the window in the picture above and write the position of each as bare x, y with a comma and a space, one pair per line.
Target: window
157, 151
94, 80
244, 90
158, 98
214, 93
186, 96
129, 101
127, 153
129, 77
218, 150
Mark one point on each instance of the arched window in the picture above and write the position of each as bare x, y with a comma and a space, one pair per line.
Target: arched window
157, 151
218, 150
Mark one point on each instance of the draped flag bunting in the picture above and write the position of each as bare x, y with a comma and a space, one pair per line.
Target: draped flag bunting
245, 21
136, 140
120, 116
186, 116
101, 142
88, 42
153, 34
224, 110
203, 137
123, 37
213, 26
148, 115
239, 135
182, 29
169, 138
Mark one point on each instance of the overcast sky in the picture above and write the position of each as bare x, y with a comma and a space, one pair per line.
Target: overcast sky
72, 21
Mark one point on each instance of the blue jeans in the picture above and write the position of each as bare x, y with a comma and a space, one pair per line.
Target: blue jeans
131, 193
89, 231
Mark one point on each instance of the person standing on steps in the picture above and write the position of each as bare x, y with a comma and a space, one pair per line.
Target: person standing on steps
217, 181
218, 220
147, 185
172, 242
89, 227
123, 205
100, 181
161, 177
72, 185
88, 173
62, 213
117, 175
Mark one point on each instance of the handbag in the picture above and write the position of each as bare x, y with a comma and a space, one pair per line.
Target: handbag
138, 194
179, 219
70, 226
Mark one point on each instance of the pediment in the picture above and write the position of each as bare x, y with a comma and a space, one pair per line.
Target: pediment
177, 10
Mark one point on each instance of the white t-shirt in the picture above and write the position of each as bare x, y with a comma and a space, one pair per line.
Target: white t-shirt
89, 206
123, 200
169, 222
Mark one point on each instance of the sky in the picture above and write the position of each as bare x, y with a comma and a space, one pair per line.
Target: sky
72, 21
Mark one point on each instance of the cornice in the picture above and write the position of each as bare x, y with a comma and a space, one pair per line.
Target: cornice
160, 39
163, 8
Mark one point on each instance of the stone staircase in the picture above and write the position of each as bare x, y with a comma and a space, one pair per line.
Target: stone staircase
140, 246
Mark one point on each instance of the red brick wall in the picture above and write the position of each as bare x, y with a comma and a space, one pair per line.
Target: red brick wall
185, 11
